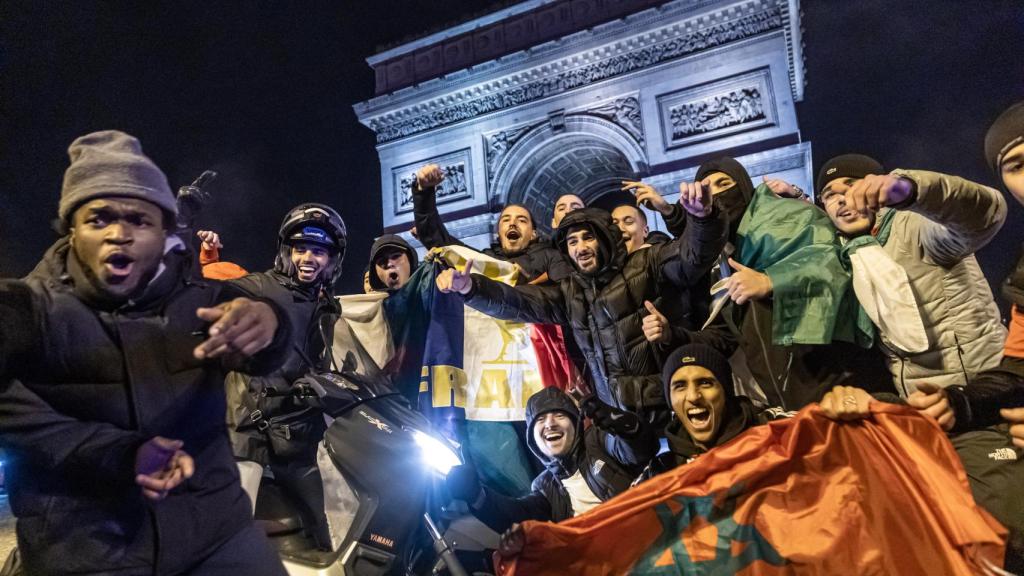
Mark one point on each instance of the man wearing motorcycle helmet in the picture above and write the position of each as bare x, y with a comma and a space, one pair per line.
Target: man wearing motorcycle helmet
269, 425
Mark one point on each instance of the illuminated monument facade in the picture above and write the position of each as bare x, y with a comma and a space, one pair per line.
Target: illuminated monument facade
548, 97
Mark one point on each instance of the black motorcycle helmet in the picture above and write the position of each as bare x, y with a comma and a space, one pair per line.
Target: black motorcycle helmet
309, 223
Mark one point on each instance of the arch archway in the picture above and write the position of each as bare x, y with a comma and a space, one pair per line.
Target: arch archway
589, 158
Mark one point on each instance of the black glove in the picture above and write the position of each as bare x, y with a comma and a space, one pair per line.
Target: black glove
610, 419
463, 483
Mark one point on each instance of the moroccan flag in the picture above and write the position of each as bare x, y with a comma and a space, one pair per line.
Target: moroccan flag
884, 495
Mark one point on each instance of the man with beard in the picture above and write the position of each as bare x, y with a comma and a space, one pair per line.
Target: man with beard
788, 309
605, 298
583, 466
272, 427
517, 236
112, 400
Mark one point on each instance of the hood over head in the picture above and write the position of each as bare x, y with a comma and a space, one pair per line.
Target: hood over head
733, 168
733, 202
550, 400
389, 241
611, 246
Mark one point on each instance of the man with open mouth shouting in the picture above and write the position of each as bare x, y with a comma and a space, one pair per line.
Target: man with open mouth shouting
518, 240
699, 387
112, 394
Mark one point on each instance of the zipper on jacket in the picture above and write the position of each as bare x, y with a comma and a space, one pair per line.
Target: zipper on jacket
133, 413
767, 360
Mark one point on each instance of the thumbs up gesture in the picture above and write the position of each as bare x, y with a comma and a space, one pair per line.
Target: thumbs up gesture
453, 280
747, 284
655, 325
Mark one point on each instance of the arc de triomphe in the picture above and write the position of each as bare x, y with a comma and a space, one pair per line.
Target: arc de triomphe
553, 96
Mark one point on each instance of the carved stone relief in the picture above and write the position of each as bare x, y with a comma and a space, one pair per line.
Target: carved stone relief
402, 124
455, 186
717, 109
626, 113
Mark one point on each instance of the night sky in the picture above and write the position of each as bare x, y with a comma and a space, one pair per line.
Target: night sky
262, 93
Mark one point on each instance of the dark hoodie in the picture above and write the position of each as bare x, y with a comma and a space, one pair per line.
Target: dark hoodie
390, 241
76, 404
731, 203
607, 463
606, 309
539, 258
408, 311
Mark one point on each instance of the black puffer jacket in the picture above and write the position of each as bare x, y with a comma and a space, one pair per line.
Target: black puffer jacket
312, 316
606, 310
540, 256
607, 463
82, 395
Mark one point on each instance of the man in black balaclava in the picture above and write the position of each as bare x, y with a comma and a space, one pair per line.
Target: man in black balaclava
792, 374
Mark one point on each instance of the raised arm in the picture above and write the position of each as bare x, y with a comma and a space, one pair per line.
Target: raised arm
430, 229
686, 259
962, 216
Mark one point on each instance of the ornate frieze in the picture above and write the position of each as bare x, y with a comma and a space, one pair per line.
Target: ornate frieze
717, 109
497, 145
626, 113
455, 186
579, 70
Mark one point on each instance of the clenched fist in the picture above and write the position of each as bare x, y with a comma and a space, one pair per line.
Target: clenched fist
429, 176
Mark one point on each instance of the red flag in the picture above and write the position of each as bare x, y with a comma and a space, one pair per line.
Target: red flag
884, 495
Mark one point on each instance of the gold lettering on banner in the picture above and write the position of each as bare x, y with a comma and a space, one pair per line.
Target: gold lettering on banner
494, 390
449, 387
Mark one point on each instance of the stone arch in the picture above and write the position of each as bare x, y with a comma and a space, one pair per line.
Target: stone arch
588, 157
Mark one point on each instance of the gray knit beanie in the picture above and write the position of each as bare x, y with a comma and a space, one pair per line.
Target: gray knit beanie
111, 163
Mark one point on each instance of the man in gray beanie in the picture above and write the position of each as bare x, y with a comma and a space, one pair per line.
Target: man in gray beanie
112, 408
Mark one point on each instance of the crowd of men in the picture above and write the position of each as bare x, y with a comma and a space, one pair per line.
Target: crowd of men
127, 354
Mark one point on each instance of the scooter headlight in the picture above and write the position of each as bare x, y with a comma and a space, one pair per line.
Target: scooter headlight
435, 453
